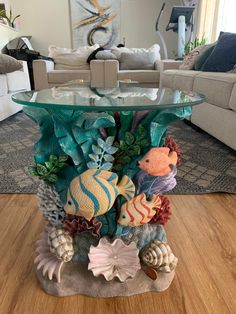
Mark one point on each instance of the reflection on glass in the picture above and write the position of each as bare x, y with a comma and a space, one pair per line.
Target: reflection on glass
119, 96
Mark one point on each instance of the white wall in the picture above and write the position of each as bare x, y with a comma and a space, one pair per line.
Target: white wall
138, 21
48, 22
6, 34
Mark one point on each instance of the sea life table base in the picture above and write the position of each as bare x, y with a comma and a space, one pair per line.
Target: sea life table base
105, 162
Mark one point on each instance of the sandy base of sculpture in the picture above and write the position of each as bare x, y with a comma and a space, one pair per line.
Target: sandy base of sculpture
76, 279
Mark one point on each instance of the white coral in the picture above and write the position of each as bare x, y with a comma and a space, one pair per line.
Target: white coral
114, 259
46, 260
50, 204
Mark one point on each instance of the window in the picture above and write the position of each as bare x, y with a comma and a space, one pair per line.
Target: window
226, 16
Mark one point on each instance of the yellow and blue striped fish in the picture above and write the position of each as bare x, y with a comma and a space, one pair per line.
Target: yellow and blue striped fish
93, 193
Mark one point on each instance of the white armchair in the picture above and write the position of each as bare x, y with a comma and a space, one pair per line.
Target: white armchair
11, 83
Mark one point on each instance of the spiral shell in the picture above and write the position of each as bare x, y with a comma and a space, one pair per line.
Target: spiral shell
159, 256
61, 244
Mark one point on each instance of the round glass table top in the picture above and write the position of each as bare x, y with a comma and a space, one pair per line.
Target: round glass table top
120, 97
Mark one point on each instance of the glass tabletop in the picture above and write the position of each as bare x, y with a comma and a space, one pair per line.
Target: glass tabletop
120, 97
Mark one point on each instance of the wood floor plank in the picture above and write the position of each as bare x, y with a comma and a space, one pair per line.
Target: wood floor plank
202, 233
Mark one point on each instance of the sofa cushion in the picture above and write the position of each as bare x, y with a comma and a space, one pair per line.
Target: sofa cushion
216, 121
217, 87
17, 81
223, 57
63, 76
3, 85
138, 61
9, 64
167, 78
184, 80
142, 76
179, 79
79, 66
232, 102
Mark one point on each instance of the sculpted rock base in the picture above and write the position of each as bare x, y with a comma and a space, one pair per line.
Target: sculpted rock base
76, 279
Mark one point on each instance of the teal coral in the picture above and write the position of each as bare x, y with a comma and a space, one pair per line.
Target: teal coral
102, 154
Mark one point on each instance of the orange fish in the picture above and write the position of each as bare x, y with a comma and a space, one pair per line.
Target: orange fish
157, 161
139, 211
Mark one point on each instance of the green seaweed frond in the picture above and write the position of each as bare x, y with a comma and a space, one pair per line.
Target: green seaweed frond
48, 171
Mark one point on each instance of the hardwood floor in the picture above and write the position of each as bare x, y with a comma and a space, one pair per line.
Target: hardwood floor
202, 233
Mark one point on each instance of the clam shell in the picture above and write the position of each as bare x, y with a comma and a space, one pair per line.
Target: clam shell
114, 259
159, 256
61, 244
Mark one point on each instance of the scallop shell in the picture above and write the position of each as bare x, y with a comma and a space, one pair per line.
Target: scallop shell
61, 244
159, 256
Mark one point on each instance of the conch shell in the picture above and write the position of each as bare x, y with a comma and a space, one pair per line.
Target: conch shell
159, 256
61, 244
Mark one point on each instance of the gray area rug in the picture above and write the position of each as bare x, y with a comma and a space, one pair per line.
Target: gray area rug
207, 164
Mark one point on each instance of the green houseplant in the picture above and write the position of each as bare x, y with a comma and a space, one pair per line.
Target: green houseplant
193, 44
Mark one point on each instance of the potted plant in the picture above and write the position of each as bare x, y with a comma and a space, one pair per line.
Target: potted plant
194, 44
10, 18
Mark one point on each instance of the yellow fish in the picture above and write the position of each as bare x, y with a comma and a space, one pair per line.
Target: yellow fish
93, 193
158, 160
139, 211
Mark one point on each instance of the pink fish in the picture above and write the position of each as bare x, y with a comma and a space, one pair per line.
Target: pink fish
139, 211
158, 160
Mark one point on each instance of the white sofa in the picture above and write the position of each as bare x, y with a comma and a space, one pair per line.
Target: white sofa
46, 76
11, 83
216, 116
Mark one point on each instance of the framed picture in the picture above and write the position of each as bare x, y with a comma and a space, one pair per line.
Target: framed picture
95, 22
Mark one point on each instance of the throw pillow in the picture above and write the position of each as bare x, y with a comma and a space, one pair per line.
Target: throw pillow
73, 59
203, 56
233, 70
223, 57
138, 61
190, 59
105, 55
9, 64
118, 51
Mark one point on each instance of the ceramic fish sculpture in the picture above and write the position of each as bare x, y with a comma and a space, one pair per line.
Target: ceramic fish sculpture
93, 193
138, 211
158, 160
